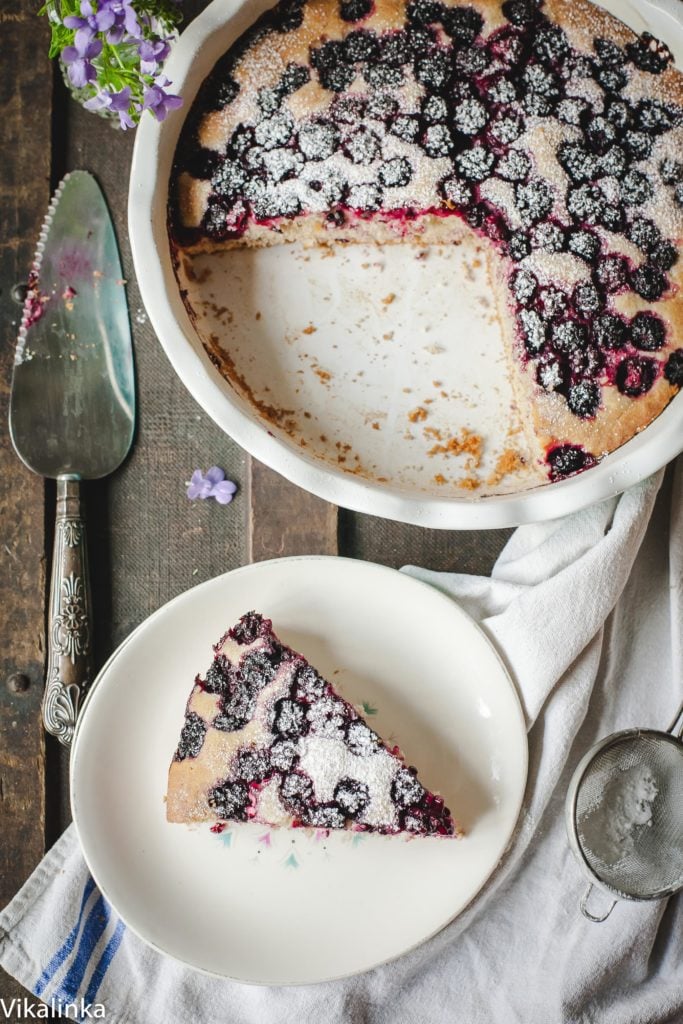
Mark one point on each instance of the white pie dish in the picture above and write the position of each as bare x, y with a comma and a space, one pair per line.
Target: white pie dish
349, 383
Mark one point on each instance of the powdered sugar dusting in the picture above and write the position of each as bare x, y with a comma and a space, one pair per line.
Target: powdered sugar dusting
327, 761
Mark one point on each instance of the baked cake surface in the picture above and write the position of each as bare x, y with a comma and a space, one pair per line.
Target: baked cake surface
267, 739
549, 129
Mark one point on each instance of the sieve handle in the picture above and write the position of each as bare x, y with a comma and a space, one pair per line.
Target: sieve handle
677, 724
586, 912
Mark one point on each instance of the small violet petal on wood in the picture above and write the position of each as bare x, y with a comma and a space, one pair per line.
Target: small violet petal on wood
211, 485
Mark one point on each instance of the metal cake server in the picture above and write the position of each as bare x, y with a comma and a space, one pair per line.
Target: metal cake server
72, 410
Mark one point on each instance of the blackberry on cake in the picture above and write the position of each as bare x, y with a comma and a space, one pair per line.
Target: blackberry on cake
545, 127
297, 753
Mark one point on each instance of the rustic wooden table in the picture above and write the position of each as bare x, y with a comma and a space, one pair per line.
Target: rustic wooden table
147, 541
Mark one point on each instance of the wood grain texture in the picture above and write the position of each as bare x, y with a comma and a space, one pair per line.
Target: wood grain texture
397, 544
285, 520
25, 100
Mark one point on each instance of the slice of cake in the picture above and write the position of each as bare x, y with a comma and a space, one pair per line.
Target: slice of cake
267, 739
547, 129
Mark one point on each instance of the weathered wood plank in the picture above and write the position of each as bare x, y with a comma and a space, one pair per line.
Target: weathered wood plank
397, 544
285, 520
25, 100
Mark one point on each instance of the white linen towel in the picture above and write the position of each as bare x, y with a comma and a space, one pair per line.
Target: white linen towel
586, 610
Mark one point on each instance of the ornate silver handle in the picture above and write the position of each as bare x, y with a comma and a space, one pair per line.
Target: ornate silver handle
69, 662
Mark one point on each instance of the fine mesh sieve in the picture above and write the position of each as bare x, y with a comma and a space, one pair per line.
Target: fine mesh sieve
624, 815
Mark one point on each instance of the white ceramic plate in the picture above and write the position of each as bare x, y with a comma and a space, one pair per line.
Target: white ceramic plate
283, 907
351, 385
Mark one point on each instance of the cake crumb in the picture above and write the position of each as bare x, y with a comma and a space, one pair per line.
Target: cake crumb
417, 415
467, 443
309, 330
509, 462
376, 426
469, 483
440, 479
388, 299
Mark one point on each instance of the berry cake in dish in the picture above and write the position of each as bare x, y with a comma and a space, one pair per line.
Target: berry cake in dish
549, 129
267, 739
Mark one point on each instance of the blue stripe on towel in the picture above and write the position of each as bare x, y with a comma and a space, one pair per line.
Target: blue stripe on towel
68, 944
93, 929
104, 961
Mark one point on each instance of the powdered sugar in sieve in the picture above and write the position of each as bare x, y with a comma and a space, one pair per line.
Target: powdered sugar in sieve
624, 815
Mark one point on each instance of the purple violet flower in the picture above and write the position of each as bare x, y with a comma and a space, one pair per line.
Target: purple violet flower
224, 491
90, 24
97, 102
211, 485
126, 21
198, 486
78, 60
120, 102
152, 54
157, 100
116, 101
